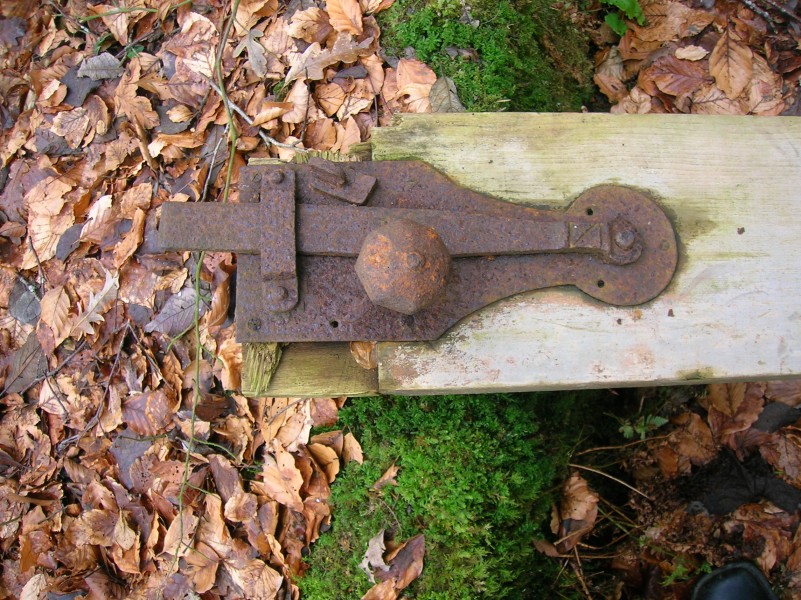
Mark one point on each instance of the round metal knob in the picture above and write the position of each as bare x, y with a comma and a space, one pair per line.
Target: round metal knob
403, 266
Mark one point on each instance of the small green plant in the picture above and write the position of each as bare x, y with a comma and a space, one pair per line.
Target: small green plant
683, 572
644, 425
630, 9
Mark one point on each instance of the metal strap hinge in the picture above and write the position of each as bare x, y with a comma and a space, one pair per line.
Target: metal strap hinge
395, 251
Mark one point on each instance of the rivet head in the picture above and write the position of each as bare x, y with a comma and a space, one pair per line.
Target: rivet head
275, 177
624, 239
277, 293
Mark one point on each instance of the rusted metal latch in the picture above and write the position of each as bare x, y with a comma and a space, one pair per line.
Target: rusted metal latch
395, 251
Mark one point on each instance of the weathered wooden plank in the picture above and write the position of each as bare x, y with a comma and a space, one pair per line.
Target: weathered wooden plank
320, 370
733, 188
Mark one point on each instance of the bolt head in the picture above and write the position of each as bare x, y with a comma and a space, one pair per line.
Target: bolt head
277, 293
403, 266
275, 177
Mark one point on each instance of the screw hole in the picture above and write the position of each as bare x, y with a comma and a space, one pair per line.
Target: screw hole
334, 324
590, 212
601, 283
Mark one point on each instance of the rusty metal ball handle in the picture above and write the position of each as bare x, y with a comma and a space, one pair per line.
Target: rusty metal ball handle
403, 266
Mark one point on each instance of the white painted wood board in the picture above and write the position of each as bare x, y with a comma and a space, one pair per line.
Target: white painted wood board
732, 186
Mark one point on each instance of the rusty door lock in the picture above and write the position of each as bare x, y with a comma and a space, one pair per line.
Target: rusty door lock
395, 251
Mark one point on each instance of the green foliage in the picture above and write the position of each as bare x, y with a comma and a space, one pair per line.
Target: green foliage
477, 477
530, 58
644, 425
631, 9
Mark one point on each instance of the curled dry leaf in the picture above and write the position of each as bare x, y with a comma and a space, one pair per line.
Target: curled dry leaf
388, 478
364, 353
351, 449
578, 512
374, 557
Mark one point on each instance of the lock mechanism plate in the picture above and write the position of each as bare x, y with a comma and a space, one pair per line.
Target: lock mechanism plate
395, 251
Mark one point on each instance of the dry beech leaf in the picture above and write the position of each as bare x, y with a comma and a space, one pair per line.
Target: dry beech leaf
304, 107
177, 314
677, 77
148, 413
102, 66
100, 221
71, 125
382, 591
351, 135
351, 449
730, 63
55, 313
230, 354
311, 63
345, 16
310, 25
131, 240
443, 96
406, 562
83, 323
691, 53
709, 99
330, 97
326, 457
282, 479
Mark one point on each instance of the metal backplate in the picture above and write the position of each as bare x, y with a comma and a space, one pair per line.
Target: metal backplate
332, 304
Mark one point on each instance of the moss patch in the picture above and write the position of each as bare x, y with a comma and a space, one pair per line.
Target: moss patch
522, 55
477, 478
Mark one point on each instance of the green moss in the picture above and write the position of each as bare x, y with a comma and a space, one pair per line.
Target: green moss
477, 478
529, 57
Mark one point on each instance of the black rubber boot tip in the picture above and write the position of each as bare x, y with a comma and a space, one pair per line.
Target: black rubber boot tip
737, 581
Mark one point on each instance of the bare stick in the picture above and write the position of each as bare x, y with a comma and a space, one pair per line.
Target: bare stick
267, 139
608, 476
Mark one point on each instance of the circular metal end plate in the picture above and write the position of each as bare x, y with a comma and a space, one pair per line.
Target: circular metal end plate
650, 274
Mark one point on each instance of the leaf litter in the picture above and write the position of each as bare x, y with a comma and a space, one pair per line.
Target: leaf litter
130, 464
110, 486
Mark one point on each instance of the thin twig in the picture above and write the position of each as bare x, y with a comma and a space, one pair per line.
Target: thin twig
95, 420
55, 370
69, 18
116, 11
580, 574
634, 443
267, 139
608, 476
783, 10
761, 12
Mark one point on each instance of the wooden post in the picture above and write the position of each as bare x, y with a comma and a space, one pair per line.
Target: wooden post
732, 186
